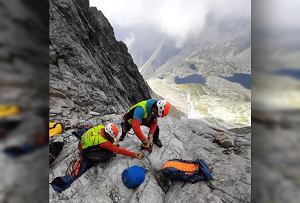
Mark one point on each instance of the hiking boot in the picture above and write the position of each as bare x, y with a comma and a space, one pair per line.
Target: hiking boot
157, 142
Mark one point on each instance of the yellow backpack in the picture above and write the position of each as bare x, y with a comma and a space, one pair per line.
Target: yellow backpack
54, 129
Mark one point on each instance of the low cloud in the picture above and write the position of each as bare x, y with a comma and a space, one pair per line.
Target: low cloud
276, 32
176, 18
130, 39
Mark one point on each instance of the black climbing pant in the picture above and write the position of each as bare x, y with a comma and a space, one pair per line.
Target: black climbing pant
156, 132
96, 154
54, 150
126, 126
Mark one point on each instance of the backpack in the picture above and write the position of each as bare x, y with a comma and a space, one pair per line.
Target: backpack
55, 129
187, 171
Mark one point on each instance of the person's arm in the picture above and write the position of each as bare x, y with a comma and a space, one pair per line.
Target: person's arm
136, 126
109, 146
136, 123
153, 127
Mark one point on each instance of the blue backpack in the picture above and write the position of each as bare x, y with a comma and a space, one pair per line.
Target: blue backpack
133, 176
187, 171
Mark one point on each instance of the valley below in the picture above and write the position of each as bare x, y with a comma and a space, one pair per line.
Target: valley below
218, 100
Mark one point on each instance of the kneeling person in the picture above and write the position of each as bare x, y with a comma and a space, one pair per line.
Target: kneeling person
98, 144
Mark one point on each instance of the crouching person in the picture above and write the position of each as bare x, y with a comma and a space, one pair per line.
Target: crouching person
99, 144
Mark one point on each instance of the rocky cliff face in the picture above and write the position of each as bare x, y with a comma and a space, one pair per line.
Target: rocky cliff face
93, 79
90, 71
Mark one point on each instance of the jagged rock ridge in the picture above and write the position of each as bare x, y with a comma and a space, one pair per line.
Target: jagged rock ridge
89, 69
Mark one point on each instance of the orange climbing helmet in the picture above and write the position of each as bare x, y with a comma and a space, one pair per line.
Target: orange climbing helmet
112, 129
163, 108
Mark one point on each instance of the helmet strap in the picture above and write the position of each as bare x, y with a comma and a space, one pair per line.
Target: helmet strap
108, 137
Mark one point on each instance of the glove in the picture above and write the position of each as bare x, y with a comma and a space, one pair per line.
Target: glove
139, 155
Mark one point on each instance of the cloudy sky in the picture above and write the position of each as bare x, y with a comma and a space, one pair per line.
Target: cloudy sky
144, 24
275, 36
275, 23
177, 18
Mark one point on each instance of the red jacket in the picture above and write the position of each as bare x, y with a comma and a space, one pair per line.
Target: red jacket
113, 148
136, 126
119, 150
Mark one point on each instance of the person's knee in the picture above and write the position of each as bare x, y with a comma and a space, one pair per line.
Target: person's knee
103, 158
107, 154
112, 154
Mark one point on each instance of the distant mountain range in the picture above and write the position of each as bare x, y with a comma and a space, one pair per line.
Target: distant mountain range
215, 65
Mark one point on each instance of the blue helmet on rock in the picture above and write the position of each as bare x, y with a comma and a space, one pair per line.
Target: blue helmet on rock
134, 176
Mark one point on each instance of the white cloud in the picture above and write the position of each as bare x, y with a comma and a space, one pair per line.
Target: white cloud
129, 40
277, 14
177, 18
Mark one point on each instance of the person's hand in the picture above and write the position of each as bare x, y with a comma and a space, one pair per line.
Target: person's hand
116, 144
139, 155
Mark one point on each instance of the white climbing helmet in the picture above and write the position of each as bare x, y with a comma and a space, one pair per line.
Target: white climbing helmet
163, 108
112, 129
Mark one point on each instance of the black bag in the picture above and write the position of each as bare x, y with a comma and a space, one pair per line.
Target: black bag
187, 171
